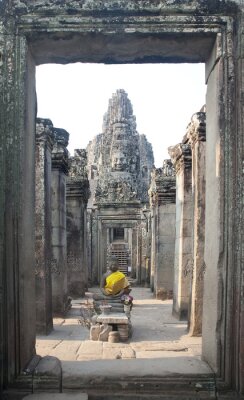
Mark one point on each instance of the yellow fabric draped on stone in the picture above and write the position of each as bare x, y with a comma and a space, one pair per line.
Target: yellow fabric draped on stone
115, 282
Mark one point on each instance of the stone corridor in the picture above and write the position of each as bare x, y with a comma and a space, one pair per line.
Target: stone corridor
159, 347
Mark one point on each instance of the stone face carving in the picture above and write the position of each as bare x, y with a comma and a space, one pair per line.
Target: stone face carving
119, 161
121, 171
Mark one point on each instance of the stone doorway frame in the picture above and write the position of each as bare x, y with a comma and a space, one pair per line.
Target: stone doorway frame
32, 33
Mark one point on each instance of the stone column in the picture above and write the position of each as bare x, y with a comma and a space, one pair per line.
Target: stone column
17, 200
153, 239
134, 251
145, 245
77, 196
89, 245
162, 201
43, 249
196, 134
183, 264
59, 242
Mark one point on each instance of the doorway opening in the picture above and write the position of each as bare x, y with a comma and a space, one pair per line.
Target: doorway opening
183, 40
119, 235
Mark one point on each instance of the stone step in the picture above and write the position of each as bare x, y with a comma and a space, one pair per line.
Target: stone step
154, 389
57, 396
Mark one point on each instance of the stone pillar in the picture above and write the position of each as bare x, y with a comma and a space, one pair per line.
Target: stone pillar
59, 242
134, 251
153, 238
144, 264
17, 200
77, 196
196, 134
139, 253
183, 264
162, 201
43, 249
89, 245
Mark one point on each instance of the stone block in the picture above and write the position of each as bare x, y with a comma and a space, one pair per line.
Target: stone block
47, 374
113, 319
94, 332
105, 330
113, 337
123, 332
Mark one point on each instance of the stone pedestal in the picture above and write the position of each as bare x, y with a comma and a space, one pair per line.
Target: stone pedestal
43, 250
162, 202
59, 243
121, 322
77, 196
183, 264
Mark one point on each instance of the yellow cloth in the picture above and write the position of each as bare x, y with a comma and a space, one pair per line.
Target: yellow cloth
115, 282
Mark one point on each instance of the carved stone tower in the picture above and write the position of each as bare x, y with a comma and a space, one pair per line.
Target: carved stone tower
119, 165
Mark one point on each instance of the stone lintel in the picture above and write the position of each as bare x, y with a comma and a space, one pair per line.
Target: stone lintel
196, 130
60, 162
128, 204
181, 156
165, 191
78, 188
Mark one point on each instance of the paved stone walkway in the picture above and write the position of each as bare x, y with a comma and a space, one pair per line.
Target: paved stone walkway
157, 336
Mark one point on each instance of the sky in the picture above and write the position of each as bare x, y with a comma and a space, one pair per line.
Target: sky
163, 96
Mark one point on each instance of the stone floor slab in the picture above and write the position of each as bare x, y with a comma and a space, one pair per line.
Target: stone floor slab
90, 350
66, 350
159, 342
118, 352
